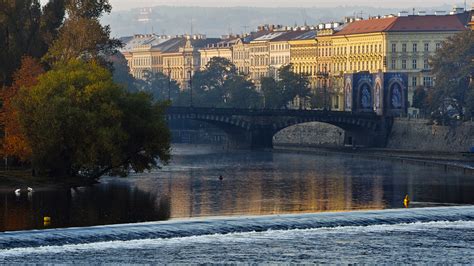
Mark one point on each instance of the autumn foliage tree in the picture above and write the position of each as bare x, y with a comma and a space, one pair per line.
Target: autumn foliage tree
14, 143
79, 123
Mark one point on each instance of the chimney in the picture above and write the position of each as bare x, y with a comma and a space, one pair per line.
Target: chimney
403, 14
456, 10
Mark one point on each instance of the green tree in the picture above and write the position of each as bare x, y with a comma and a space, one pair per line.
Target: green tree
88, 8
80, 123
420, 99
241, 93
453, 68
218, 86
161, 87
293, 84
121, 72
272, 94
26, 30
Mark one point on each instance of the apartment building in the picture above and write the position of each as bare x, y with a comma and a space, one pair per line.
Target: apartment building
402, 43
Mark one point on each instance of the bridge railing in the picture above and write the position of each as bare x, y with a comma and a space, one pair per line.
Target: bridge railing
266, 112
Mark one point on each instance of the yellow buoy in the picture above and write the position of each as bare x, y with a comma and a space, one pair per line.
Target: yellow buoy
46, 221
406, 201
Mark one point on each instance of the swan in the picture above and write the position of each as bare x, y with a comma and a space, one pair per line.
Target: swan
17, 192
30, 189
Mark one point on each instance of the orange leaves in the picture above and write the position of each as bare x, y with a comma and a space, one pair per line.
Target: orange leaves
14, 142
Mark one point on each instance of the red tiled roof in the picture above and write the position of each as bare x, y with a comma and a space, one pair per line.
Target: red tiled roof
428, 23
367, 26
409, 23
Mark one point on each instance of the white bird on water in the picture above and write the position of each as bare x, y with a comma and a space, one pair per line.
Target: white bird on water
30, 189
17, 192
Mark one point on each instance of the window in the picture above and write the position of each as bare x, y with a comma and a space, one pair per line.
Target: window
427, 47
428, 82
394, 47
426, 64
404, 64
413, 82
394, 64
415, 47
404, 47
414, 64
438, 46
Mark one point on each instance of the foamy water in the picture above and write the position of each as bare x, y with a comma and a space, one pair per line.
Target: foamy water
391, 236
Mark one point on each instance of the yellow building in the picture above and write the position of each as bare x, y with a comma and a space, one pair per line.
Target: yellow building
221, 49
279, 51
181, 59
142, 53
241, 51
241, 56
400, 43
303, 56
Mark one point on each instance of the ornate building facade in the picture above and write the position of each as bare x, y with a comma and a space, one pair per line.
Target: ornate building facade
303, 55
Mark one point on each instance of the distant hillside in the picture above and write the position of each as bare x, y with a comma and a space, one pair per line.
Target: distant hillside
215, 22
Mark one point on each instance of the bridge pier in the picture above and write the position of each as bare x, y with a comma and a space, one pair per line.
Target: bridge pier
262, 138
252, 139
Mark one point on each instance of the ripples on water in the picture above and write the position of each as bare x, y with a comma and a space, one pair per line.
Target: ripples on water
296, 186
391, 236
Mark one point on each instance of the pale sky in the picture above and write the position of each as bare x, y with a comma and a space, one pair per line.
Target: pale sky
402, 4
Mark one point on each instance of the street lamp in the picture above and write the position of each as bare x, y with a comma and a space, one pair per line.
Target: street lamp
190, 86
169, 82
324, 75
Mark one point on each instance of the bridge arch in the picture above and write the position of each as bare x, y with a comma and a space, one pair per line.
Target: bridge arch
256, 128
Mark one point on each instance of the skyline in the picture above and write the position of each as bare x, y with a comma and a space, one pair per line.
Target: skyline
121, 5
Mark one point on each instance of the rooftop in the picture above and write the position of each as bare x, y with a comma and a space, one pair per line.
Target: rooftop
425, 23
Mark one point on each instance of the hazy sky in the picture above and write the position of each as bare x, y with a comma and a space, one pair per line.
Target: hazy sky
402, 4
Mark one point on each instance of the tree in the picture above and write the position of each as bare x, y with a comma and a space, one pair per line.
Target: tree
26, 30
15, 143
218, 86
293, 84
420, 98
453, 68
78, 122
161, 87
121, 72
82, 38
82, 35
88, 8
272, 94
241, 93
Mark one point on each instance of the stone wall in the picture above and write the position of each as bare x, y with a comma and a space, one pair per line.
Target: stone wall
421, 136
414, 134
314, 133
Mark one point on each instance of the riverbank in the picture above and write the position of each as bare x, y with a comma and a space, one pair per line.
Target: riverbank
446, 161
13, 179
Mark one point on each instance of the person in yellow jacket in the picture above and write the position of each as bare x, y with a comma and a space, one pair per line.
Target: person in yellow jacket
406, 201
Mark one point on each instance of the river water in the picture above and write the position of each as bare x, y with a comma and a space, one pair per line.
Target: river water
268, 207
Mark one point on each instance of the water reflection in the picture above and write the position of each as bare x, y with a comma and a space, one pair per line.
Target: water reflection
108, 203
254, 183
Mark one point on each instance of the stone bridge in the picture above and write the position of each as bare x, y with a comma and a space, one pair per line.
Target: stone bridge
255, 128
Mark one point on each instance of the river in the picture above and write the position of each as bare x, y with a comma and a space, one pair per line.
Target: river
268, 207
